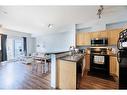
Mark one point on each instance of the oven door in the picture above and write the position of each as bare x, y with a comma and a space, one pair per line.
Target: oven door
99, 63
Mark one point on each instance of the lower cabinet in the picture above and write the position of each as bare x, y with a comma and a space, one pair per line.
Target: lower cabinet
66, 74
114, 66
69, 73
87, 62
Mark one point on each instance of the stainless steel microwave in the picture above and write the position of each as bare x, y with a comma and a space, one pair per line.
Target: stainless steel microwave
99, 42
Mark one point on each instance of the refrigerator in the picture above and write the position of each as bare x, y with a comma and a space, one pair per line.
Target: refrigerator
122, 59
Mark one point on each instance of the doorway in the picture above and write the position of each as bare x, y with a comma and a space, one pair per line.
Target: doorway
15, 48
18, 48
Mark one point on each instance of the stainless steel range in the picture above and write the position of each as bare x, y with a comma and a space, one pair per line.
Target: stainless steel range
99, 61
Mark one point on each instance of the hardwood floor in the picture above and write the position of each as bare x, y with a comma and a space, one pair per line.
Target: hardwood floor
19, 76
92, 82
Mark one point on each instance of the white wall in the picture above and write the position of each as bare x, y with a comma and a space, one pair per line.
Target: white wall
57, 42
113, 16
32, 42
15, 34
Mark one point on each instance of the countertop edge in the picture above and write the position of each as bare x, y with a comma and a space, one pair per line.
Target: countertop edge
62, 58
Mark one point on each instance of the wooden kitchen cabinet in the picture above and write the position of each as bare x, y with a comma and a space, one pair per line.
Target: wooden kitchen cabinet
94, 34
66, 75
113, 36
87, 62
87, 38
83, 38
79, 39
69, 71
103, 34
99, 34
114, 66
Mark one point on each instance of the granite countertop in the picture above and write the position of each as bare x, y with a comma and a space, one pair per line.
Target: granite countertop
73, 58
57, 52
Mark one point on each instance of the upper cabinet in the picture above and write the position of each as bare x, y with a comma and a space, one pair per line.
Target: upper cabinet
113, 36
83, 38
87, 38
94, 34
79, 39
99, 34
103, 34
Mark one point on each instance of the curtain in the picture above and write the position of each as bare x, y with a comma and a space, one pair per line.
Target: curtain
3, 47
25, 45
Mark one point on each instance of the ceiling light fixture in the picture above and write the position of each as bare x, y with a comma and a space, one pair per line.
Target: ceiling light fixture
99, 11
50, 25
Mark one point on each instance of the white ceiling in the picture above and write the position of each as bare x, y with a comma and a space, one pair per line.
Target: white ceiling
35, 19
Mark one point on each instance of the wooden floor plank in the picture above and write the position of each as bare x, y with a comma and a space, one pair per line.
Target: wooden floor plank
92, 82
16, 75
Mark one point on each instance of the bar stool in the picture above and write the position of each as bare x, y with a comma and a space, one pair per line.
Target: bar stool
34, 66
48, 63
45, 65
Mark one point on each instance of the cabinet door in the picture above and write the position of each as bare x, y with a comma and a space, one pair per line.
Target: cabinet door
67, 75
83, 66
99, 34
103, 34
113, 36
94, 35
83, 38
87, 61
114, 66
87, 38
79, 39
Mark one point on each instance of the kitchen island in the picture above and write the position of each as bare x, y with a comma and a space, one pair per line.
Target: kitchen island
69, 71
